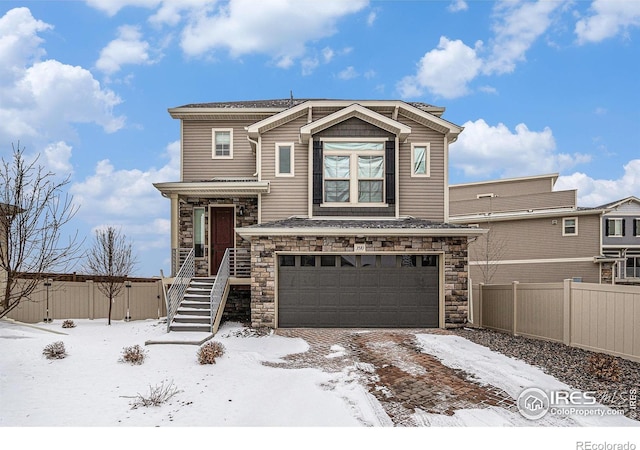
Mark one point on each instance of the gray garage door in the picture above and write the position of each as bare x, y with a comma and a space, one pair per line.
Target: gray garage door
358, 291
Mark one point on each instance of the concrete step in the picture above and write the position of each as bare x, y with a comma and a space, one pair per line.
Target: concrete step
204, 320
190, 327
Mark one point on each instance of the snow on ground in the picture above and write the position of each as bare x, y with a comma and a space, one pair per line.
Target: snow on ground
509, 374
91, 388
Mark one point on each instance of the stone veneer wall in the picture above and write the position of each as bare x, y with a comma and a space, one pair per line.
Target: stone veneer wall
263, 274
238, 306
185, 235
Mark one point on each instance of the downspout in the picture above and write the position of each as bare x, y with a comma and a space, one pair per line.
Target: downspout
255, 143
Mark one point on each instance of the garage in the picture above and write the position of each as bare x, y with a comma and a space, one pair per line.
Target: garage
359, 291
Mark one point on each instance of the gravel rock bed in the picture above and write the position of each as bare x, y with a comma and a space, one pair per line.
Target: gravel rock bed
568, 364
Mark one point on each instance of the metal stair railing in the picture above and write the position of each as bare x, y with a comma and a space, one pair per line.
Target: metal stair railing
240, 260
176, 292
220, 285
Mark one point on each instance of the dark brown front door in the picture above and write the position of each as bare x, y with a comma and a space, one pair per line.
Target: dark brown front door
222, 235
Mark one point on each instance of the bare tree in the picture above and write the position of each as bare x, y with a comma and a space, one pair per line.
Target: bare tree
33, 211
487, 251
112, 259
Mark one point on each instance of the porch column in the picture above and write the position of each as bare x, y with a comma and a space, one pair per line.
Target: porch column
175, 225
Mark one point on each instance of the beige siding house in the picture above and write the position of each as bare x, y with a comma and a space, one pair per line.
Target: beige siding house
342, 206
535, 234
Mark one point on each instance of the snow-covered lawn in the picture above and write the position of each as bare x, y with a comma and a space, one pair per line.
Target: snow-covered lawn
91, 387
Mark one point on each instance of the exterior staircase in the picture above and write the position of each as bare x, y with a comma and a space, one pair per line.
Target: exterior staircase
194, 311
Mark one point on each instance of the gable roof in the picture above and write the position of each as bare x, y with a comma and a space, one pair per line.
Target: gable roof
618, 203
360, 112
428, 116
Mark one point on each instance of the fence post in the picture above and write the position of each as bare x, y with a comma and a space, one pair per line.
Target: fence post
480, 289
515, 307
566, 325
90, 299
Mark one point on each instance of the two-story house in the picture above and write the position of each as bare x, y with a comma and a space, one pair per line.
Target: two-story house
536, 234
620, 234
342, 206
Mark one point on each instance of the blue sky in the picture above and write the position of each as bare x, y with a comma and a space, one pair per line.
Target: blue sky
540, 87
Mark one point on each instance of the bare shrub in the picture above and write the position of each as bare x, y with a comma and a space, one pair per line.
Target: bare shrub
604, 367
68, 324
208, 353
133, 355
55, 351
157, 395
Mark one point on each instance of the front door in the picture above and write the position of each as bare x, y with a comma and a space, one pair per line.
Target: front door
222, 235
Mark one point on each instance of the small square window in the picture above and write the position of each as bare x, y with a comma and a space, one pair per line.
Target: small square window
287, 261
348, 261
307, 261
388, 261
615, 227
368, 261
328, 261
429, 260
570, 226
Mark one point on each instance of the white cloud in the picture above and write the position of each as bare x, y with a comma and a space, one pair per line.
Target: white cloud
457, 6
111, 7
128, 48
609, 19
519, 25
444, 71
483, 150
19, 42
279, 28
448, 70
127, 198
57, 158
327, 54
309, 65
371, 18
348, 73
593, 192
41, 99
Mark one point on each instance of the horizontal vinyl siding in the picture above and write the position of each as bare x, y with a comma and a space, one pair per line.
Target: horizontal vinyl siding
422, 197
288, 195
538, 239
197, 161
547, 272
513, 203
504, 188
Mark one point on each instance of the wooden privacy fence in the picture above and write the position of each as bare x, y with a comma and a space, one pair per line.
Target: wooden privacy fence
83, 300
597, 317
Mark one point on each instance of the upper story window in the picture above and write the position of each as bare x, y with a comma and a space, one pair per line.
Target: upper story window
284, 159
222, 143
353, 172
615, 227
420, 160
636, 227
570, 226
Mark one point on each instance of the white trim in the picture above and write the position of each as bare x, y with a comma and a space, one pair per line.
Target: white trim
534, 261
213, 143
291, 145
427, 162
564, 226
487, 195
614, 219
521, 215
181, 150
553, 176
359, 231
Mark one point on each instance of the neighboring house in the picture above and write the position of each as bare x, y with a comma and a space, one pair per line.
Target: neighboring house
343, 206
620, 233
540, 235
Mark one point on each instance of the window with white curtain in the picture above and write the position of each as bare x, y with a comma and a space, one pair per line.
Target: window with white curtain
354, 172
